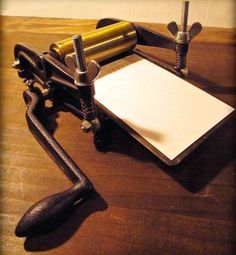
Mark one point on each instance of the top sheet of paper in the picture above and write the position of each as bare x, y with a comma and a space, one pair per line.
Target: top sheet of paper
168, 112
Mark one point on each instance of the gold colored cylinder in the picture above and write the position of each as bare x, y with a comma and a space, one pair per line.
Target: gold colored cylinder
101, 44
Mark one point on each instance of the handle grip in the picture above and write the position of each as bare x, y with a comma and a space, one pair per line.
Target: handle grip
51, 212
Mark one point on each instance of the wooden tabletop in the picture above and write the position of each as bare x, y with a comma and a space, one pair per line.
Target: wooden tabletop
144, 206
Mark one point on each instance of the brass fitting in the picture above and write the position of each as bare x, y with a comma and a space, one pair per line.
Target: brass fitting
100, 44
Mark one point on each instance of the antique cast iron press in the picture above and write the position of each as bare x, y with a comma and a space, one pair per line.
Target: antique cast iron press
66, 74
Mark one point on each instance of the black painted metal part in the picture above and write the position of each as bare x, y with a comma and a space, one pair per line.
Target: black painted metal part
58, 86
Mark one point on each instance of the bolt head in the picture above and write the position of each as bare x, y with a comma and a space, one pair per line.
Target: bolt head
16, 64
86, 126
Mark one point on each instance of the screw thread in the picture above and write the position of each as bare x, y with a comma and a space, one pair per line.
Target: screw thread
79, 53
88, 109
181, 56
181, 60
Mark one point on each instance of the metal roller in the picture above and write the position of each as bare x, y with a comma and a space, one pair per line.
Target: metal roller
100, 44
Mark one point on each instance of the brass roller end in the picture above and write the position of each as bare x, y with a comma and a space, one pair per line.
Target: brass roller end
102, 43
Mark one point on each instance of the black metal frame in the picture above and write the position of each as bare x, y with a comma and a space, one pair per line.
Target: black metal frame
57, 83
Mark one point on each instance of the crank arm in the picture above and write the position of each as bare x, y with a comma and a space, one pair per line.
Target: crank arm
49, 213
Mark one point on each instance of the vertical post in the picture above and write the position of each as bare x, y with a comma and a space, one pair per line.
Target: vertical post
79, 53
184, 16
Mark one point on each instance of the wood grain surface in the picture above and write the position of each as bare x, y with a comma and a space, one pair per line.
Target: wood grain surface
144, 206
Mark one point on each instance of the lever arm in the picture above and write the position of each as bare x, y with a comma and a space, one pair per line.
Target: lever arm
49, 213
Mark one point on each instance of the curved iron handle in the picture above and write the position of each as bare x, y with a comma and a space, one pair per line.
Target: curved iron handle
49, 213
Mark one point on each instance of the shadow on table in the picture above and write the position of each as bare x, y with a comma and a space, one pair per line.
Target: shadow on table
208, 160
211, 86
66, 231
199, 167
